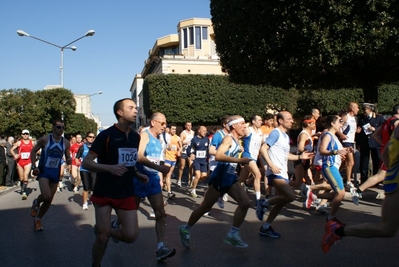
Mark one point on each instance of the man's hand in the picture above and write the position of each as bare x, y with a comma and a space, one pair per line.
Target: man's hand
117, 170
164, 169
307, 155
142, 178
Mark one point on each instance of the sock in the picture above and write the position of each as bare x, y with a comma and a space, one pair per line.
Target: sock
330, 217
160, 244
359, 191
233, 230
266, 226
187, 227
340, 231
257, 194
24, 187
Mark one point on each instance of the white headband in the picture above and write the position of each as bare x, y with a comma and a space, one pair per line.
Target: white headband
235, 121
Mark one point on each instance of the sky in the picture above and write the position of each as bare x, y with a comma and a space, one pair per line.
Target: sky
125, 30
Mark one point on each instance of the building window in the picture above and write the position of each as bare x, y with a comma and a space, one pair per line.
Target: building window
185, 38
191, 35
204, 33
198, 37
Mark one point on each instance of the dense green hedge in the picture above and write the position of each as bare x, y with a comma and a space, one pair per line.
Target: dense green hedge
206, 98
388, 96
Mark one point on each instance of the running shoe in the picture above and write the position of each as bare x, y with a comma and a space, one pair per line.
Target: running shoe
262, 206
310, 197
302, 190
221, 202
349, 184
184, 236
34, 209
58, 190
355, 195
321, 210
193, 194
225, 197
164, 252
179, 184
330, 238
269, 232
75, 190
37, 224
24, 196
171, 195
335, 220
85, 206
208, 213
152, 214
235, 240
115, 226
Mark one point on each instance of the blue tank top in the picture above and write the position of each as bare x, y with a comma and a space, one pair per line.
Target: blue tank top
50, 158
152, 152
86, 150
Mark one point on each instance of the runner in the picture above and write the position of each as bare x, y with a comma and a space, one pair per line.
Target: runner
185, 137
389, 224
53, 147
76, 163
88, 178
149, 153
224, 180
251, 143
276, 151
347, 136
172, 153
116, 151
24, 166
199, 154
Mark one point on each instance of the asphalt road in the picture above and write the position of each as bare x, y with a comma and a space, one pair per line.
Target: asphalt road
68, 236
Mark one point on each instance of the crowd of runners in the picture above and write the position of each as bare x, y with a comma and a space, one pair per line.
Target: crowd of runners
120, 168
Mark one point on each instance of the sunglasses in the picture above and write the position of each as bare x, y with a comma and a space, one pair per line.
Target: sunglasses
25, 134
59, 127
161, 122
91, 136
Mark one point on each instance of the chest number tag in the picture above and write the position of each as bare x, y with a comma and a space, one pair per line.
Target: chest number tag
127, 156
52, 162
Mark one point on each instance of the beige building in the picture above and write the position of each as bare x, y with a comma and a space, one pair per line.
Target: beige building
189, 51
83, 106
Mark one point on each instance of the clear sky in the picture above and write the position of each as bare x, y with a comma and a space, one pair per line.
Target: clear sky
108, 61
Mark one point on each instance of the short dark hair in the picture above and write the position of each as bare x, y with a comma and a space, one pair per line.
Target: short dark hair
119, 106
395, 109
330, 119
172, 125
58, 120
268, 116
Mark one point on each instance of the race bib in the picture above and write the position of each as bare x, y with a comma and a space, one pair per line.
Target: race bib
25, 155
52, 163
232, 168
184, 150
200, 154
127, 156
173, 147
255, 145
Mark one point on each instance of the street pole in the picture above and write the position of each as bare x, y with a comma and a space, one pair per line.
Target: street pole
67, 46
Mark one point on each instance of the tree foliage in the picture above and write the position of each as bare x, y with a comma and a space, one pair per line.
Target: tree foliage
309, 44
24, 109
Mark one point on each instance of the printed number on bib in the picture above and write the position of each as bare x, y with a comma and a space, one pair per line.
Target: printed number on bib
127, 156
52, 162
25, 155
200, 154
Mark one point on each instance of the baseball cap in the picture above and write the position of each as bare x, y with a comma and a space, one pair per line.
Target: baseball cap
25, 131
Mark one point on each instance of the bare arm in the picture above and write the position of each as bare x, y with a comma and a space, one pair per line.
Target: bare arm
223, 148
144, 139
40, 144
377, 135
68, 158
15, 146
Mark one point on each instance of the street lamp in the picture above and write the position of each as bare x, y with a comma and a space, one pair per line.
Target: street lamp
86, 96
73, 48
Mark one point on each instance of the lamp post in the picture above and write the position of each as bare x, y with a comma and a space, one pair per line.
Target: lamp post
86, 96
73, 48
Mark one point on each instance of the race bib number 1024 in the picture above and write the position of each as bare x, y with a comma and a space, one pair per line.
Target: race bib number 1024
127, 156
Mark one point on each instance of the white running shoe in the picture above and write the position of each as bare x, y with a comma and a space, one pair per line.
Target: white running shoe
225, 197
85, 207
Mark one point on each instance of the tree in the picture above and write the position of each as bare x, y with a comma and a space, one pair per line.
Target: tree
309, 44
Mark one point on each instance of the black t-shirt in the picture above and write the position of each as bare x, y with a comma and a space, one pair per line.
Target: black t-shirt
113, 146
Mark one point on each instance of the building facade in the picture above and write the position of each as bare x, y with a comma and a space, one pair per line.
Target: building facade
191, 50
83, 106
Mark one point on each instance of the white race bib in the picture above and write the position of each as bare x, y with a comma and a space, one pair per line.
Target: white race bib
25, 155
173, 147
52, 163
255, 145
231, 169
127, 156
200, 154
